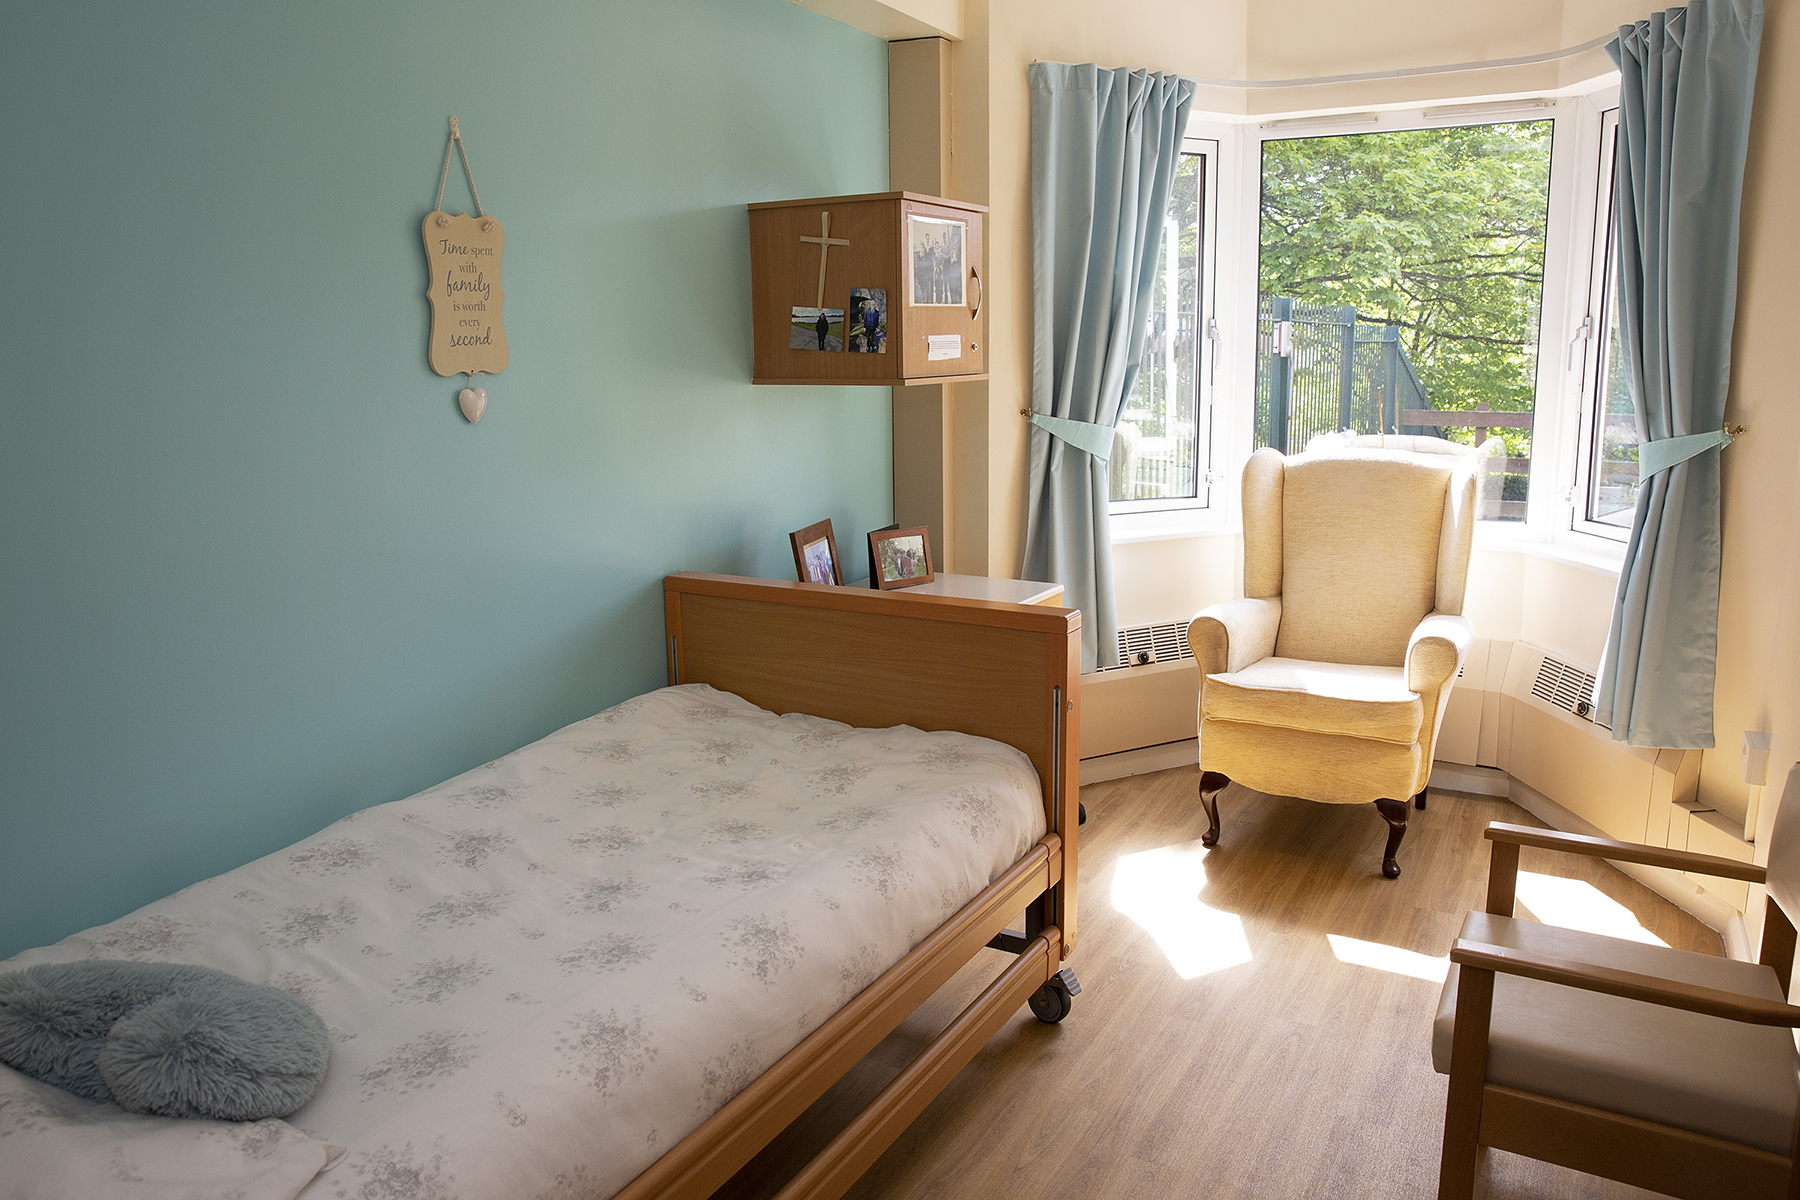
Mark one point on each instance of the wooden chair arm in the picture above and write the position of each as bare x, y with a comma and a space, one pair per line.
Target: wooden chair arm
1653, 856
1713, 1002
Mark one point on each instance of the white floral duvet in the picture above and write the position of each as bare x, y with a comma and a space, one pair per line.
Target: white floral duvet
542, 974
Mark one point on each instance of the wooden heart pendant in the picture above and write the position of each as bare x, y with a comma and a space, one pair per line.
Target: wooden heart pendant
473, 402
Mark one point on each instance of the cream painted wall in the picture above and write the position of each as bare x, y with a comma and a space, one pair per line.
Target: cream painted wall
1565, 609
1759, 631
1294, 38
1495, 598
1174, 579
1291, 39
975, 498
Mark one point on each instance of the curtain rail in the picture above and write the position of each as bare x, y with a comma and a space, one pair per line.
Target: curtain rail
1490, 64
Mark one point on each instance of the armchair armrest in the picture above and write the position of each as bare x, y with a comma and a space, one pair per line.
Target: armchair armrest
1669, 993
1631, 852
1231, 636
1436, 651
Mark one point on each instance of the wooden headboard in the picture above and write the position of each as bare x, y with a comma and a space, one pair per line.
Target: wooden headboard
876, 659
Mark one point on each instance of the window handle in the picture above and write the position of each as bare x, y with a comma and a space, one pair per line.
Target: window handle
1212, 361
1578, 343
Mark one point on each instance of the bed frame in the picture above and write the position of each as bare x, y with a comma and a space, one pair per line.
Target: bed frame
1010, 672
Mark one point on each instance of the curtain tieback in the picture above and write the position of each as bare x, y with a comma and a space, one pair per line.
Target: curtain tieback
1662, 453
1097, 440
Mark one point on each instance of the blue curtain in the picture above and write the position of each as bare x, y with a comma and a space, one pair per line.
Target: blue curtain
1684, 122
1104, 146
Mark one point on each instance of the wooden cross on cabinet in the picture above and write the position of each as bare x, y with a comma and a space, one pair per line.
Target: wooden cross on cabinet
825, 242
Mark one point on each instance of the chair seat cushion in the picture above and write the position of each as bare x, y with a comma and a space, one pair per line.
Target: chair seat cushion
1705, 1074
1346, 699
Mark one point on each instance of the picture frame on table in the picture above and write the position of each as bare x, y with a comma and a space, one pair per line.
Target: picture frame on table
816, 554
901, 557
874, 576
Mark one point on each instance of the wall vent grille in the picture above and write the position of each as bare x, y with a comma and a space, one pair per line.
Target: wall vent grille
1567, 687
1141, 645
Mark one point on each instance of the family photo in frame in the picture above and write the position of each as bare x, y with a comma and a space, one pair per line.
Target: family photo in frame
816, 554
901, 557
937, 261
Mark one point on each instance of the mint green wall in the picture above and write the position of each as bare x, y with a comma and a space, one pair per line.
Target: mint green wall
255, 571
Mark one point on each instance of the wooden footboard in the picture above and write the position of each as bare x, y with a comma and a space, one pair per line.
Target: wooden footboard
1009, 672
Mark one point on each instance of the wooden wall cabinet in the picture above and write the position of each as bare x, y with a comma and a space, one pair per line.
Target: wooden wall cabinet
899, 242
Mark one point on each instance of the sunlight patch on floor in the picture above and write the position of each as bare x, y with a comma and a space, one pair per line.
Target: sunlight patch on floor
1388, 958
1160, 890
1578, 904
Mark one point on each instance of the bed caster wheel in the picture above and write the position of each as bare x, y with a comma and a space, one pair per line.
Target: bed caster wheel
1081, 816
1052, 1002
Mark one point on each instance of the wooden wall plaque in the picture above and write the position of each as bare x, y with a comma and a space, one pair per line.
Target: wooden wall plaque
463, 253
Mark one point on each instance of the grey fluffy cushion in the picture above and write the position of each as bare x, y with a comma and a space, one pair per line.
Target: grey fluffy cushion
163, 1038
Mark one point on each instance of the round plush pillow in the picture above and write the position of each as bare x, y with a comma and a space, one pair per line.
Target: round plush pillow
163, 1038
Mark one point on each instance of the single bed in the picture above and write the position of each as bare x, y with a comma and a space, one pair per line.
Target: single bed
620, 959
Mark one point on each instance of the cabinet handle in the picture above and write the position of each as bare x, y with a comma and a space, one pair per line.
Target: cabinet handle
980, 293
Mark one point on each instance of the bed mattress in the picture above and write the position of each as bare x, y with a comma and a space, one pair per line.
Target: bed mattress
542, 974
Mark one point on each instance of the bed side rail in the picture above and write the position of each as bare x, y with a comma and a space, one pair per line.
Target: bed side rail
710, 1155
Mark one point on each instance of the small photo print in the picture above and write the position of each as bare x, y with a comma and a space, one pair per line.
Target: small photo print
868, 321
903, 558
816, 329
936, 254
817, 556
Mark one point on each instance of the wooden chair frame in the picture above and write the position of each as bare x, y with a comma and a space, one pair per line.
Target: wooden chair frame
1646, 1154
1010, 672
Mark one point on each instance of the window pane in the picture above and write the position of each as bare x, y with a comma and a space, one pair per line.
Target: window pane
1613, 483
1613, 474
1155, 448
1401, 278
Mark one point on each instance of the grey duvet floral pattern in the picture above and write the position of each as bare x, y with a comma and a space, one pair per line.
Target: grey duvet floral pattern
542, 974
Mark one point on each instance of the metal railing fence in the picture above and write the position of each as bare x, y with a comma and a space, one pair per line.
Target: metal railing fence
1320, 370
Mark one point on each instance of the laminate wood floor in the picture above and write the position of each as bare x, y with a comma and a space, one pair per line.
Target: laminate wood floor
1274, 1068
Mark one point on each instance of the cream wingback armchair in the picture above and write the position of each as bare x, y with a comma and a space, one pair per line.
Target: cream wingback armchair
1328, 680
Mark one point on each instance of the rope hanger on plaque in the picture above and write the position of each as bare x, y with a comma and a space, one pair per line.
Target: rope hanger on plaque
463, 254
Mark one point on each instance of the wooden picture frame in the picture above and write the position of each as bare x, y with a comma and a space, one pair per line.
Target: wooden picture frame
895, 556
873, 579
809, 545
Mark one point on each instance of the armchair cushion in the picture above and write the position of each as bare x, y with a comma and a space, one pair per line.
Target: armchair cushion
1318, 697
1712, 1076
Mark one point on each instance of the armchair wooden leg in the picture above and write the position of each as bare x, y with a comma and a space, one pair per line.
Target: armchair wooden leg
1394, 813
1211, 784
1419, 800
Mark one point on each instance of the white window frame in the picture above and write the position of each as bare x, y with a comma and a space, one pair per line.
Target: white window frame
1569, 293
1135, 520
1593, 354
1551, 299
